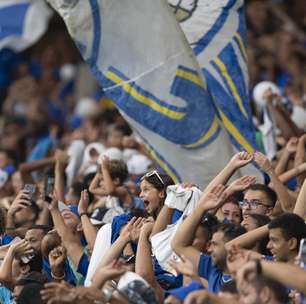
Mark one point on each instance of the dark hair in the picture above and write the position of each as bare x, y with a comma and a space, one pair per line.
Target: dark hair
260, 219
271, 194
137, 212
208, 223
156, 183
35, 264
279, 291
33, 277
118, 169
230, 231
30, 294
45, 228
291, 225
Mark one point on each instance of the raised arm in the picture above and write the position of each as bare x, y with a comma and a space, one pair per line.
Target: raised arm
287, 274
28, 167
89, 229
300, 157
239, 160
300, 206
294, 172
6, 275
286, 154
286, 200
144, 264
182, 241
70, 241
129, 233
61, 161
249, 239
163, 219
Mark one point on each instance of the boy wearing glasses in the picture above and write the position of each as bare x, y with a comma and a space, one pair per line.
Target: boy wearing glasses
258, 199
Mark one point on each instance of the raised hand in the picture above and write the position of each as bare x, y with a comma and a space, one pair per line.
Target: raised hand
198, 297
84, 202
57, 257
108, 272
61, 157
236, 258
183, 266
292, 144
21, 201
55, 293
133, 229
21, 248
241, 159
105, 163
213, 199
262, 161
241, 184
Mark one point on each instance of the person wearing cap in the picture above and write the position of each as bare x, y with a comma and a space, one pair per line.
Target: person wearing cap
69, 227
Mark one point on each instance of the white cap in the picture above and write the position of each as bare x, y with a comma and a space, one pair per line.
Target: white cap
138, 164
261, 88
112, 154
86, 107
129, 277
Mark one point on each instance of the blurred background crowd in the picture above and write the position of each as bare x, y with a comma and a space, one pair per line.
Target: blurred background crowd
59, 131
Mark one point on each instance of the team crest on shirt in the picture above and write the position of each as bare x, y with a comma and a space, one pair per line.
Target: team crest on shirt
183, 9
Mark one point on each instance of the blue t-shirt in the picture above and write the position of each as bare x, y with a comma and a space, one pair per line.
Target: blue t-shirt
5, 295
215, 277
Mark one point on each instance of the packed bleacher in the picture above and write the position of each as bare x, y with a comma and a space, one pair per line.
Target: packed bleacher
88, 216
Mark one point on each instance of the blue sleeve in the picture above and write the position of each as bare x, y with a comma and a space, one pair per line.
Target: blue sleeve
176, 216
205, 266
83, 265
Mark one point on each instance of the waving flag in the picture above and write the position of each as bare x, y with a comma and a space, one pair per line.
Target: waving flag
22, 22
216, 30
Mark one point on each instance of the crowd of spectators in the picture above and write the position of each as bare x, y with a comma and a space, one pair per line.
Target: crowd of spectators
87, 216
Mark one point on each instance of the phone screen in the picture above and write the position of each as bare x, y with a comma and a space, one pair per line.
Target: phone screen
31, 189
49, 188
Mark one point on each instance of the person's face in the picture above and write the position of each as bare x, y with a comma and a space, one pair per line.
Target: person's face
261, 204
114, 139
217, 249
249, 223
231, 212
248, 294
278, 245
151, 197
200, 239
24, 217
17, 181
34, 237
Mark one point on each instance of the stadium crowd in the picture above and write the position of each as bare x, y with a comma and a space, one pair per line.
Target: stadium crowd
87, 216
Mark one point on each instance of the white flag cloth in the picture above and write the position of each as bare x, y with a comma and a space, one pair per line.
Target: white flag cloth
216, 31
22, 23
140, 56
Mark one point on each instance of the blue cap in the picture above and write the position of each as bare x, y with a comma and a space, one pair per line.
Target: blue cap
182, 292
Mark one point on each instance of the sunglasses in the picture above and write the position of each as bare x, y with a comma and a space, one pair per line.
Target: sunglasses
154, 173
